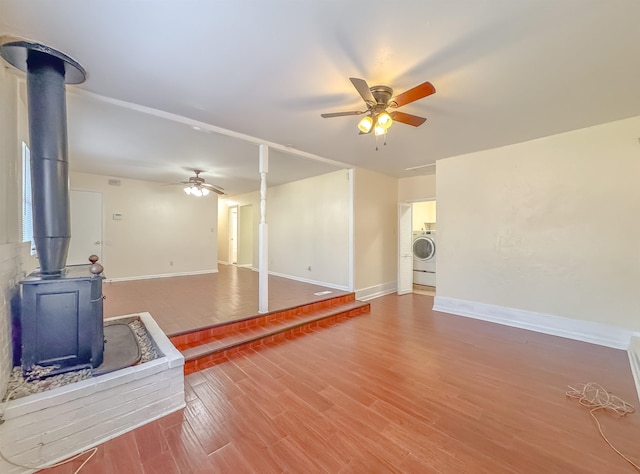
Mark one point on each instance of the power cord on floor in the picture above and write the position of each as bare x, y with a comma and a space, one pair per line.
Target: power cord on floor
593, 396
47, 466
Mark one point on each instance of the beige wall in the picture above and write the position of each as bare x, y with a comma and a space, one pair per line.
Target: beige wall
11, 250
375, 229
13, 129
417, 188
163, 231
223, 232
549, 226
308, 226
246, 226
424, 215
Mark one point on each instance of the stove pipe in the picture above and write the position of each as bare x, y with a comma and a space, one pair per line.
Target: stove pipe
47, 72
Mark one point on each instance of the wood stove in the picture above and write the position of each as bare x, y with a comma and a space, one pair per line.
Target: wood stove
60, 323
61, 320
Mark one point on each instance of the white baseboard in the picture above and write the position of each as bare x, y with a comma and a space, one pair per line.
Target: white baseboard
312, 282
160, 275
221, 262
586, 331
634, 360
376, 291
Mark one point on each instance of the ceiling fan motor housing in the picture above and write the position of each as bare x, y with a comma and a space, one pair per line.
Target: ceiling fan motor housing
382, 94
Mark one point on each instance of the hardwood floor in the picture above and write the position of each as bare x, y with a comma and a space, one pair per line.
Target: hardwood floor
180, 304
404, 389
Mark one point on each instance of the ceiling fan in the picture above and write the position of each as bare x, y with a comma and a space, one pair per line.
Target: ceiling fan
196, 186
378, 99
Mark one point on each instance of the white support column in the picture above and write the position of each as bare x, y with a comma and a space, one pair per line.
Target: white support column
263, 264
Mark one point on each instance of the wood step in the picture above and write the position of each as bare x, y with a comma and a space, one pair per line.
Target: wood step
212, 347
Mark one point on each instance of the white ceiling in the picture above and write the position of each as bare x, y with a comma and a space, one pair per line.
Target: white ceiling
505, 71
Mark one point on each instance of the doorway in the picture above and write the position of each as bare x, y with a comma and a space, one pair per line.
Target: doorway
233, 235
424, 238
86, 226
417, 226
245, 236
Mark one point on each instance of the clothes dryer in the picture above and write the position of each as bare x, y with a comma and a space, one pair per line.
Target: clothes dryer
424, 258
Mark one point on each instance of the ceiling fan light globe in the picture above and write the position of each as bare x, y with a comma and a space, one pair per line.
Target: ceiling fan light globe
205, 191
365, 124
379, 130
384, 120
187, 190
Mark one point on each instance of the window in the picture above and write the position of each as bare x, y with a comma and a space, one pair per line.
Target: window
27, 208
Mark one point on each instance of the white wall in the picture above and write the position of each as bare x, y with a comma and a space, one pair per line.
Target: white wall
550, 226
375, 232
417, 188
163, 231
309, 227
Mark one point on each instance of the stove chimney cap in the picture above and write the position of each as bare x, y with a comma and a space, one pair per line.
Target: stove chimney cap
15, 51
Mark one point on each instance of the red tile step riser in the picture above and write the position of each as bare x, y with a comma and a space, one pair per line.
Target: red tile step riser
216, 357
195, 338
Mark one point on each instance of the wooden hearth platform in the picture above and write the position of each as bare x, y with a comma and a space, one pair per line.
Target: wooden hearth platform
211, 345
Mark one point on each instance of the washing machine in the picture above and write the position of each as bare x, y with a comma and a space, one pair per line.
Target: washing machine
424, 258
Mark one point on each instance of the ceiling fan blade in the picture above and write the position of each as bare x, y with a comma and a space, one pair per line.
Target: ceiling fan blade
212, 186
407, 118
340, 114
216, 190
363, 89
419, 92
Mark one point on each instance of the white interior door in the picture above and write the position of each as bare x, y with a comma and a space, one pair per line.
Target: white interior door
405, 252
86, 226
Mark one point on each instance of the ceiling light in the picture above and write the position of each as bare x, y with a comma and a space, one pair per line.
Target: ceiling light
196, 190
379, 130
384, 120
365, 124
